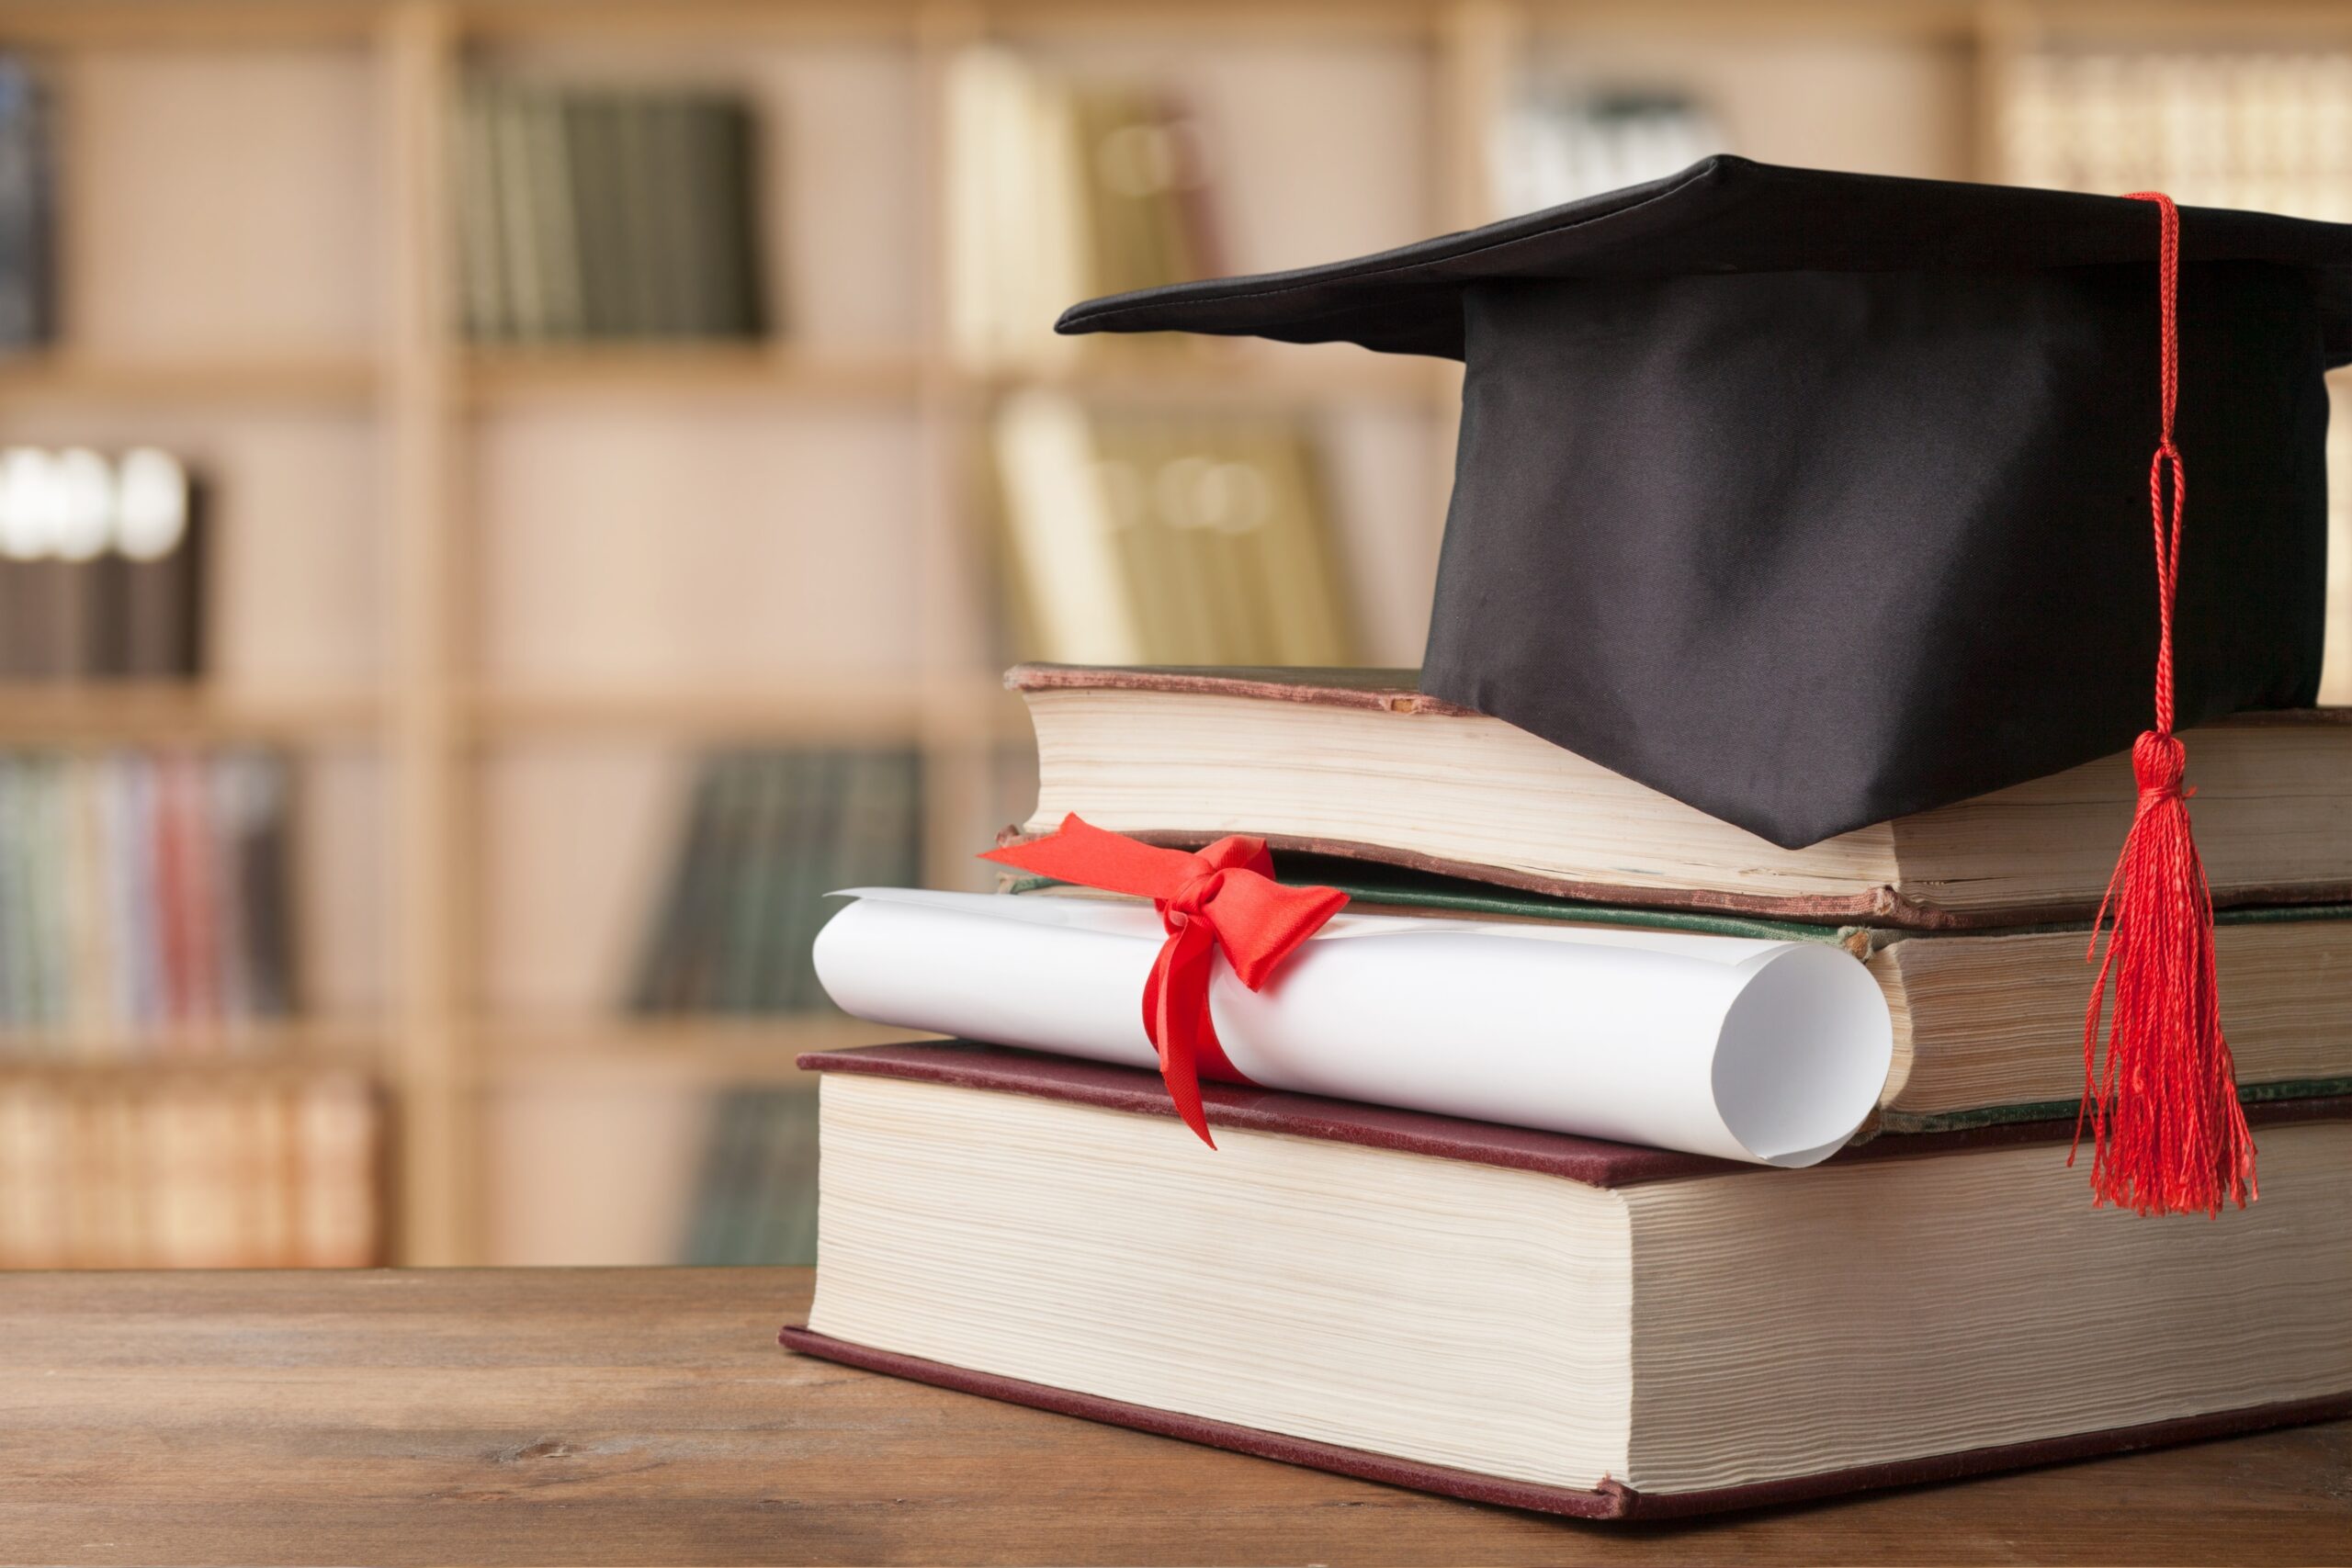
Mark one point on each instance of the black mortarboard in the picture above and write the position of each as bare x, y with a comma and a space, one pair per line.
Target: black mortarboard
1816, 498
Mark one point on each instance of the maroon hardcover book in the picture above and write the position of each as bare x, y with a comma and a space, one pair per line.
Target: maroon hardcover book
1592, 1161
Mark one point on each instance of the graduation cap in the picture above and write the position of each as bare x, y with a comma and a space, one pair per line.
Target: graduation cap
1813, 499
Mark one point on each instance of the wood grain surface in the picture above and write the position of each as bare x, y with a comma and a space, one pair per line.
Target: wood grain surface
648, 1417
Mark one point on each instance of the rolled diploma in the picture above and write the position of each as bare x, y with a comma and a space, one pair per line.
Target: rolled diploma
1770, 1052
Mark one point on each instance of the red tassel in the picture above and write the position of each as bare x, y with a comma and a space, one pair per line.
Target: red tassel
2168, 1136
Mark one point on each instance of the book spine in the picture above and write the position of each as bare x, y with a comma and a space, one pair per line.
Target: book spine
36, 1173
162, 576
173, 893
640, 247
555, 232
264, 1180
677, 228
27, 313
265, 849
143, 910
715, 1226
877, 843
47, 839
16, 961
748, 937
738, 293
661, 961
482, 291
590, 124
525, 268
95, 1025
803, 860
787, 1232
222, 779
340, 1161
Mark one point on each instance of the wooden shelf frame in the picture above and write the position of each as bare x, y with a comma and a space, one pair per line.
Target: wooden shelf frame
425, 394
50, 378
92, 713
264, 1047
702, 1052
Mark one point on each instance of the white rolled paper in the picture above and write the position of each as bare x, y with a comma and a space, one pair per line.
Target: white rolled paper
1770, 1052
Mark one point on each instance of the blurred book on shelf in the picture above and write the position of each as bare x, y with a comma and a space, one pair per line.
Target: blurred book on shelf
1147, 538
144, 902
767, 835
594, 213
2267, 128
755, 1196
2259, 128
1059, 190
1556, 141
180, 1173
28, 213
101, 566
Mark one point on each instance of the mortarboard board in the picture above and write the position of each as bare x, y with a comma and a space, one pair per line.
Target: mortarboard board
1813, 499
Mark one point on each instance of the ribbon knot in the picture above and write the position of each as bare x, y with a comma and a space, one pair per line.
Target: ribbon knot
1223, 897
1191, 899
2158, 760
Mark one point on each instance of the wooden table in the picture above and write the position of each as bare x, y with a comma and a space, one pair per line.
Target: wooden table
647, 1417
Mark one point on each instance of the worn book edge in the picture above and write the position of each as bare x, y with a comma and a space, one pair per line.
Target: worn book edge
1394, 692
1595, 1162
1609, 1501
1883, 905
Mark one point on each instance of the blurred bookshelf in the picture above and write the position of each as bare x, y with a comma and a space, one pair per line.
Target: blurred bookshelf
519, 534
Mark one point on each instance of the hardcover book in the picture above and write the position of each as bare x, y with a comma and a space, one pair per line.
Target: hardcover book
1551, 1322
1987, 1025
1358, 763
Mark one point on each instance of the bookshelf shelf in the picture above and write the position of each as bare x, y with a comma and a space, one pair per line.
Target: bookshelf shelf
496, 377
293, 1048
108, 24
44, 379
819, 708
1179, 379
87, 714
694, 1051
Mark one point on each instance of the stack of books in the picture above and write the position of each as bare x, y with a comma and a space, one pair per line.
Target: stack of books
1600, 1157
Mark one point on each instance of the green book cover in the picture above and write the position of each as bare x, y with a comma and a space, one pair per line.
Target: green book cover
592, 133
661, 961
718, 1227
759, 871
639, 246
729, 159
789, 1182
482, 282
546, 195
1373, 886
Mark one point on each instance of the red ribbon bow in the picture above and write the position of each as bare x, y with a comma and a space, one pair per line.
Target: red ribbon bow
1222, 896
